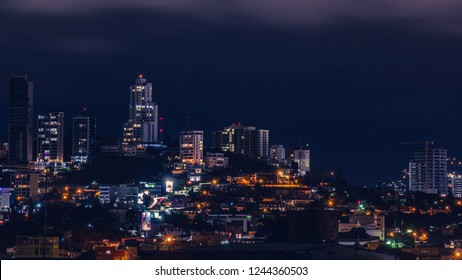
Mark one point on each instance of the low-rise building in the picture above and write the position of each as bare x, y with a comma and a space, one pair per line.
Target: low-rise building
6, 196
25, 185
216, 161
31, 247
118, 193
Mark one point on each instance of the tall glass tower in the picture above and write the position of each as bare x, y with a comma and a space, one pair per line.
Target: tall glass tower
20, 120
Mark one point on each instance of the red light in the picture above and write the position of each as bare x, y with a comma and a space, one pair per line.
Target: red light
161, 130
140, 76
161, 118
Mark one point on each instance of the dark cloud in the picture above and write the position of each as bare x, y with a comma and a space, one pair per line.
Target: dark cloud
442, 13
353, 83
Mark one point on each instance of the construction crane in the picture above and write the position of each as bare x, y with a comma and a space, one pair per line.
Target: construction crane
427, 143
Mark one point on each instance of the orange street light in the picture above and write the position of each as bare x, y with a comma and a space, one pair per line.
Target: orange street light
457, 255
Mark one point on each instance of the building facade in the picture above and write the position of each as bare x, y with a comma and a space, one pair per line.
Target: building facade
216, 160
263, 143
456, 185
302, 158
142, 125
83, 137
244, 140
50, 138
6, 199
25, 186
32, 247
428, 171
278, 153
192, 147
20, 103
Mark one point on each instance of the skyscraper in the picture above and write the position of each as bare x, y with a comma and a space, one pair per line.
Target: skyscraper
20, 120
302, 158
244, 140
83, 137
50, 137
142, 124
428, 171
192, 147
263, 143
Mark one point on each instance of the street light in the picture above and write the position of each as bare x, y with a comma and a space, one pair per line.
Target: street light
457, 255
330, 203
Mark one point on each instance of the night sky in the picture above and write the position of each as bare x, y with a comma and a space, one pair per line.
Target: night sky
353, 78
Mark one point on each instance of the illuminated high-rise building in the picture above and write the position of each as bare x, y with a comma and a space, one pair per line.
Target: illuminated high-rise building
262, 143
142, 124
83, 137
192, 147
50, 137
20, 103
302, 158
244, 140
428, 171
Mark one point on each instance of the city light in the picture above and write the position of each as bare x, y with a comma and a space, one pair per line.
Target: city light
327, 93
457, 254
330, 203
169, 241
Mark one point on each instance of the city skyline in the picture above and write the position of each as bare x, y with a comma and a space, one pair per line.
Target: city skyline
209, 135
353, 83
270, 131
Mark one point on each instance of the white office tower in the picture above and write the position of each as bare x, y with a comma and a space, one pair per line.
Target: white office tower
142, 125
192, 147
263, 143
428, 171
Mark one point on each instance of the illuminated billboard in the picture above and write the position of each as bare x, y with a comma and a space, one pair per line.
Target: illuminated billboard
140, 198
145, 221
168, 186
